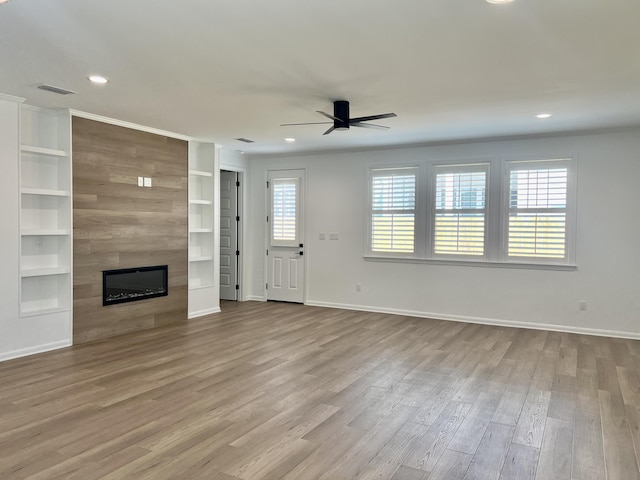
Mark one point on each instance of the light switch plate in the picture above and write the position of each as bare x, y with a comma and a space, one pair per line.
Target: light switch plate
147, 181
140, 182
333, 236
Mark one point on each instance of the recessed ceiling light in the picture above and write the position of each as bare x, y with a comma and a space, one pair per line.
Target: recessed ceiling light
98, 79
543, 115
498, 2
289, 140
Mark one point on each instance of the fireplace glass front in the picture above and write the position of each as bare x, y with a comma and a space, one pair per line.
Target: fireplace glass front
131, 284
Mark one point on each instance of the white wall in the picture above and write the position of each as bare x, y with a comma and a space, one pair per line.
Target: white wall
233, 160
607, 277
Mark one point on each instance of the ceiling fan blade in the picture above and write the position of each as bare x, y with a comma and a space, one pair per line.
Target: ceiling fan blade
310, 123
329, 131
373, 117
369, 125
328, 116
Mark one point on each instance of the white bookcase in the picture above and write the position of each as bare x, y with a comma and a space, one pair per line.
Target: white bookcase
203, 241
45, 211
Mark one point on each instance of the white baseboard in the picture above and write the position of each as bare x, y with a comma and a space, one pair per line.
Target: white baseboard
484, 321
202, 313
23, 352
254, 298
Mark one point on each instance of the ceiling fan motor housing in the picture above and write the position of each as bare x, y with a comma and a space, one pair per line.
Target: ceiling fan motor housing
341, 112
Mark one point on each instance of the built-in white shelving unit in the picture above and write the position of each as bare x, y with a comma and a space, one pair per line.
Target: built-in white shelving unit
201, 162
45, 212
203, 284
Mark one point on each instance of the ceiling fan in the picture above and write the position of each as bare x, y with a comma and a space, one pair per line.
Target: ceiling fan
341, 120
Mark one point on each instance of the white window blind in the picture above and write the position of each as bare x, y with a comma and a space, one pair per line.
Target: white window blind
493, 211
537, 223
284, 212
459, 222
393, 209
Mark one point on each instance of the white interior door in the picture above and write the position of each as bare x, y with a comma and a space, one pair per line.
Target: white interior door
228, 235
285, 249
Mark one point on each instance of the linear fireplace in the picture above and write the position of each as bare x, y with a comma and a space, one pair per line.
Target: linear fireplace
131, 284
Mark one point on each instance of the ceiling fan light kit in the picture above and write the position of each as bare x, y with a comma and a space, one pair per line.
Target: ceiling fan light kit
342, 121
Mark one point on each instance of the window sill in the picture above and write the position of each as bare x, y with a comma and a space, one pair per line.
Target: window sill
472, 263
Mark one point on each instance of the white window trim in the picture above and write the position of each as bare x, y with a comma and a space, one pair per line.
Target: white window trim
571, 210
456, 167
472, 263
370, 175
497, 210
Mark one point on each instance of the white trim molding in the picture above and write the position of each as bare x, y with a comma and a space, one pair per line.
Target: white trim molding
482, 321
255, 298
133, 126
24, 352
11, 98
202, 313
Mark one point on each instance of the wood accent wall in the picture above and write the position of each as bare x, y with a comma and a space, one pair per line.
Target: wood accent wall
117, 224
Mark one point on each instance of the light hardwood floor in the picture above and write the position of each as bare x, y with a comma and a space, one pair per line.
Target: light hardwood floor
281, 391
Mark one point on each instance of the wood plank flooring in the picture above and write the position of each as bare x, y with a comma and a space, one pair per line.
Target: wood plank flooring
283, 391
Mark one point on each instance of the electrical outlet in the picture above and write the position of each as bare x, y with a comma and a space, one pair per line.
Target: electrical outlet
321, 236
147, 181
582, 305
333, 236
358, 287
141, 181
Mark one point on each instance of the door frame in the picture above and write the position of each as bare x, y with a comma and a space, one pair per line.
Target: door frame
243, 213
267, 232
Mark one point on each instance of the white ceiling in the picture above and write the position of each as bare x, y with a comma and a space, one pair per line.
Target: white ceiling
221, 69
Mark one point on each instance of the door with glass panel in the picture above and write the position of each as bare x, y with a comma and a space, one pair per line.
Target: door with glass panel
285, 246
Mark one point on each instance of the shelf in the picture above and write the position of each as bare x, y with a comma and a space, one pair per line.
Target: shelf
43, 151
38, 172
45, 294
200, 259
44, 232
45, 214
41, 272
45, 191
44, 311
203, 188
200, 173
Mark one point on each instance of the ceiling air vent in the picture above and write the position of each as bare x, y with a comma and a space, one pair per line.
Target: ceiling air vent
245, 140
58, 90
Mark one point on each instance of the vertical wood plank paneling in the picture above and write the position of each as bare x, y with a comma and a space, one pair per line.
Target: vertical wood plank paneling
117, 224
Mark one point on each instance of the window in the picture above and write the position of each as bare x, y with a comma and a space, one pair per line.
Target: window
494, 211
537, 214
392, 210
460, 209
284, 212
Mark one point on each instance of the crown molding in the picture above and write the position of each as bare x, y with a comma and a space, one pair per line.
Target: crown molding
133, 126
